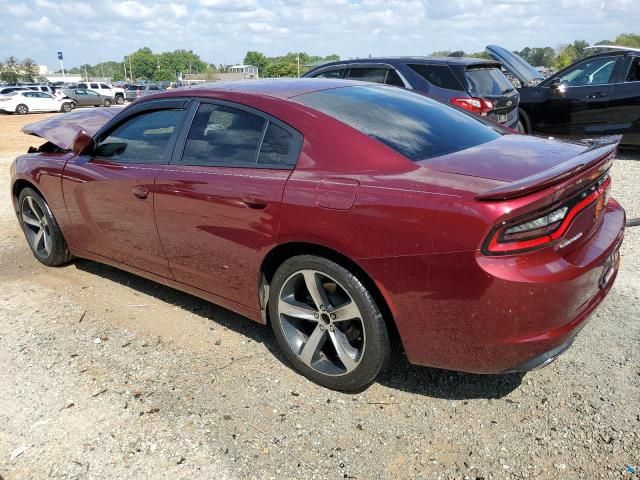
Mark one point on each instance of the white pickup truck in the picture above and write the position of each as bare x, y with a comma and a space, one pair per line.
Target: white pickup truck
102, 88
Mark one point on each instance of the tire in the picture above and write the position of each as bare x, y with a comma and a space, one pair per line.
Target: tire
119, 99
22, 109
74, 105
520, 127
49, 247
107, 102
345, 353
67, 107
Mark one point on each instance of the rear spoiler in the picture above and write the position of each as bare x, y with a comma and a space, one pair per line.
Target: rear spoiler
600, 150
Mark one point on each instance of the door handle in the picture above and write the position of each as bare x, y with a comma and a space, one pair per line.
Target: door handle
597, 95
255, 201
140, 192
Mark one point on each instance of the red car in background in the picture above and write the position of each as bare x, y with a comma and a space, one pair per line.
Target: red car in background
340, 212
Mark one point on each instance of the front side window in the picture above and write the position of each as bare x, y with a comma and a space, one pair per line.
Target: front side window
221, 135
596, 71
338, 73
141, 139
102, 85
81, 92
413, 125
91, 92
394, 79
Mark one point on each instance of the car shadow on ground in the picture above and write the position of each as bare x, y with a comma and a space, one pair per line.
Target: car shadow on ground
400, 375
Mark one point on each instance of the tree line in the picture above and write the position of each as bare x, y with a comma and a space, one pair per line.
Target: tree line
13, 70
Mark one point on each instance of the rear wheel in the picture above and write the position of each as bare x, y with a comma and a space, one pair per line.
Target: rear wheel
22, 109
107, 102
327, 323
41, 229
520, 128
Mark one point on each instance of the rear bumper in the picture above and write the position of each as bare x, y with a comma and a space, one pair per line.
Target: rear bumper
497, 314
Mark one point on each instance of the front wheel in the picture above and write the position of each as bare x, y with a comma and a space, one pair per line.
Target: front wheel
67, 107
327, 323
41, 229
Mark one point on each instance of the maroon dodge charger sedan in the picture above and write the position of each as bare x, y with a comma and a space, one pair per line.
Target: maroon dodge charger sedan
343, 213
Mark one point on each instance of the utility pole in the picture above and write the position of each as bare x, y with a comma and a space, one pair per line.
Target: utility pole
124, 64
131, 70
298, 59
84, 61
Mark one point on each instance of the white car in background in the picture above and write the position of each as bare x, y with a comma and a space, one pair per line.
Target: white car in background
23, 102
116, 93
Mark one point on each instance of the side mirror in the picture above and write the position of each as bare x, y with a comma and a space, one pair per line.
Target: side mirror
82, 144
558, 87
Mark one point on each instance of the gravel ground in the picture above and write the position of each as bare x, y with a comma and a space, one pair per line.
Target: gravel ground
106, 375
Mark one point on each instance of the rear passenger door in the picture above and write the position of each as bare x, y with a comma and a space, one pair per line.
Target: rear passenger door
217, 208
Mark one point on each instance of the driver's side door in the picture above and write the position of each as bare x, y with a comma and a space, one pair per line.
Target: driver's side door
109, 194
581, 105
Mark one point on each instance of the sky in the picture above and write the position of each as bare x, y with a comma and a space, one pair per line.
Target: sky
222, 31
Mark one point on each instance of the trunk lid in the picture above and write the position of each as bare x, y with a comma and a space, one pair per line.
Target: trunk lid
525, 163
515, 65
61, 130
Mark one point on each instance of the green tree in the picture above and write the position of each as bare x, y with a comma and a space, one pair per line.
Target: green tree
566, 56
10, 71
143, 64
628, 40
580, 46
29, 70
258, 59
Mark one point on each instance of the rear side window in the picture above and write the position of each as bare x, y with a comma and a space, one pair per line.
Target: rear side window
394, 79
413, 125
375, 75
94, 85
141, 139
154, 87
102, 85
221, 135
276, 146
438, 75
487, 81
338, 73
634, 71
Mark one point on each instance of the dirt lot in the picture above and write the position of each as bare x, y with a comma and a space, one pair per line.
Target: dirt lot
106, 375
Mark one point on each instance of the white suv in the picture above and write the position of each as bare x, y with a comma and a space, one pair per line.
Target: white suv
116, 93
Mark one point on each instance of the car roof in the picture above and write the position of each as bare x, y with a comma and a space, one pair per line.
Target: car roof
273, 87
414, 59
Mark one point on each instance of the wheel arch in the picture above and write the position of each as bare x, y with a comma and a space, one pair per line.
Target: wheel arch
19, 185
282, 252
524, 118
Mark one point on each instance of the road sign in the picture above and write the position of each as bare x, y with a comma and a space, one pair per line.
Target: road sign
60, 56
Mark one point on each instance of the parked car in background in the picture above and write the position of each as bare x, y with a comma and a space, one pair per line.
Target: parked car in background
13, 88
338, 212
597, 95
474, 84
116, 93
87, 98
41, 88
136, 91
24, 102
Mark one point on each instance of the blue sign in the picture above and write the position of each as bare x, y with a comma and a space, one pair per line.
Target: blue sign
59, 55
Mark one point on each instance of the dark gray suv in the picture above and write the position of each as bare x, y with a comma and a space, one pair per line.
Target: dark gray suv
474, 84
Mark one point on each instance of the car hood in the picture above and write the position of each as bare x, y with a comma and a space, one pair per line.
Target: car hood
62, 129
516, 65
514, 157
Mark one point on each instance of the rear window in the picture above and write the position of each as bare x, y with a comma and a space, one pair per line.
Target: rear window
136, 87
438, 75
487, 81
413, 125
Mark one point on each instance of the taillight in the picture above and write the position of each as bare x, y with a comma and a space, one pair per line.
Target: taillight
544, 228
473, 104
